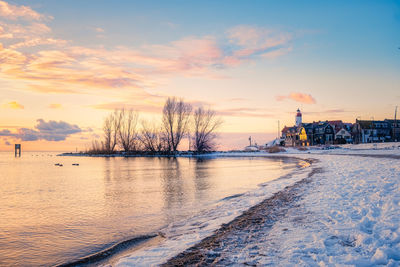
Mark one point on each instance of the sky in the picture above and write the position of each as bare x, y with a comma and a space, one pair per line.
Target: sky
65, 65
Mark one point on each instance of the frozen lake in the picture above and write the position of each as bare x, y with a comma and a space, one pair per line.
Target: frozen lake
52, 215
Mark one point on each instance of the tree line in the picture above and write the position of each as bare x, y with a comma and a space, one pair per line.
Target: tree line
123, 130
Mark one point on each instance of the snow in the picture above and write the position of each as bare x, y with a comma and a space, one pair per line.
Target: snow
348, 215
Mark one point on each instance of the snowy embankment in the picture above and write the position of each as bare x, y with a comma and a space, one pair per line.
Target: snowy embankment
346, 214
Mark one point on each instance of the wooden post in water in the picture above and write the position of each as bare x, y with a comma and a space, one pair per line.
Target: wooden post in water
18, 150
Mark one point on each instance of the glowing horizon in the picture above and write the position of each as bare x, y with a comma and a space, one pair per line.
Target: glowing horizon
65, 65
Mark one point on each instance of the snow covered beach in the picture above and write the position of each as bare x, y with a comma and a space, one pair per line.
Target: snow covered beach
344, 210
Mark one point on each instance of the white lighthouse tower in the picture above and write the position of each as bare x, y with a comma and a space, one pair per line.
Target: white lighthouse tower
298, 117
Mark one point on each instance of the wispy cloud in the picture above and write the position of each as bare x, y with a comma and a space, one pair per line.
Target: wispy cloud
49, 131
53, 65
99, 30
13, 105
14, 12
246, 112
327, 111
298, 97
256, 41
38, 41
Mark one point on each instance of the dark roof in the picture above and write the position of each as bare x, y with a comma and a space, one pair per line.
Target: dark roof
365, 124
289, 129
369, 124
338, 122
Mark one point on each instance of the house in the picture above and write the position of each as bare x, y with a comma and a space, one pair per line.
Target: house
374, 131
296, 135
323, 133
395, 129
342, 131
308, 134
343, 136
290, 135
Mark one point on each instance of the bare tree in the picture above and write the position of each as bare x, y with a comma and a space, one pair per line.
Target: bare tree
205, 123
107, 131
96, 147
176, 114
152, 138
116, 119
111, 127
127, 134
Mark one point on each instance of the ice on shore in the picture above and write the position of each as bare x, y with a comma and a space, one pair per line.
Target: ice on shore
182, 235
348, 215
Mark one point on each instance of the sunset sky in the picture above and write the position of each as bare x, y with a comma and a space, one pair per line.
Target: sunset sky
64, 65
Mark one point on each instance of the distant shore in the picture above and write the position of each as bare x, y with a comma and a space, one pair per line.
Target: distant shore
148, 154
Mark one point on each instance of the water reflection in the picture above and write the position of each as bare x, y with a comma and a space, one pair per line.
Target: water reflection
202, 177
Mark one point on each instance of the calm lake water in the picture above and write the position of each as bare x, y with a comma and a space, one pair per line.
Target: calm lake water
52, 215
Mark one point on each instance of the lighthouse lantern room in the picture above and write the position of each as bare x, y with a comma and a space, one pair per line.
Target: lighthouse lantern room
298, 117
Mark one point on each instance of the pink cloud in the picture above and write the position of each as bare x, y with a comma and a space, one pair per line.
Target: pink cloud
254, 41
14, 12
298, 97
57, 66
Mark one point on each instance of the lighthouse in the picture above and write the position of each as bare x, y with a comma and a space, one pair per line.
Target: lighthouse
298, 117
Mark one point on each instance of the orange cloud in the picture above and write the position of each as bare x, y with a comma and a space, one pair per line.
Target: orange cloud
38, 41
13, 105
298, 97
55, 106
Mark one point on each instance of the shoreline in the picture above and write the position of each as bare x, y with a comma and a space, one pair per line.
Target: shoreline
304, 224
266, 212
299, 173
185, 154
113, 254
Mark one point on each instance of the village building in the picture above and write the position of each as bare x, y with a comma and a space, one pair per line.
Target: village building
343, 136
370, 131
317, 133
290, 135
342, 132
339, 132
323, 134
306, 134
395, 129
